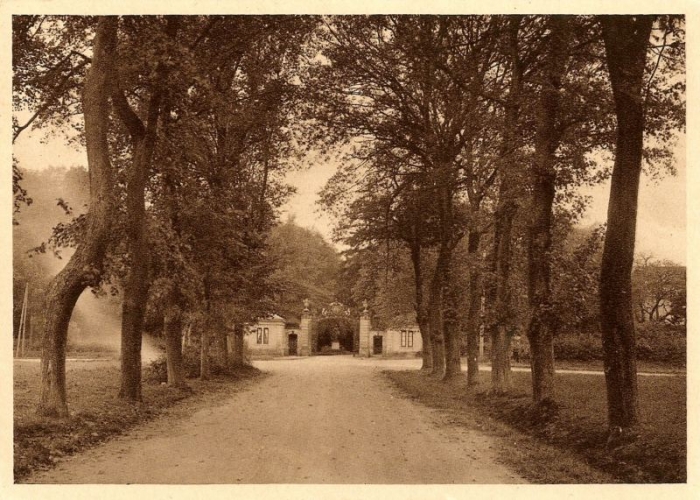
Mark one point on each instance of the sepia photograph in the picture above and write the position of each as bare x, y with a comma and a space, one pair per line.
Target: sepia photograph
277, 250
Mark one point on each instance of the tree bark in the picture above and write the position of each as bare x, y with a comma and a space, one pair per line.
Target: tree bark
500, 296
453, 339
540, 330
221, 346
204, 364
238, 343
172, 327
474, 309
626, 39
137, 283
421, 313
500, 360
84, 269
443, 331
437, 338
507, 207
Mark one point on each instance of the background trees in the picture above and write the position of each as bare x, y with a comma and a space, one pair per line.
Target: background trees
658, 290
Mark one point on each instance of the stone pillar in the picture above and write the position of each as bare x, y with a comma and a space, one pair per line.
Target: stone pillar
304, 338
365, 341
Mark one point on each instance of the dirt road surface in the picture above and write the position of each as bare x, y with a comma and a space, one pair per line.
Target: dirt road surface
325, 420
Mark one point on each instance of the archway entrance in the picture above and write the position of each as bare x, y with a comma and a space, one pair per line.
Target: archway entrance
334, 335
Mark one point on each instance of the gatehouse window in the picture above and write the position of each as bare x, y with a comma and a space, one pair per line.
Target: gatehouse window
263, 335
406, 338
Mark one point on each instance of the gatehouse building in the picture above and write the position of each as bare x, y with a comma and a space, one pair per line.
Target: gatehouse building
333, 332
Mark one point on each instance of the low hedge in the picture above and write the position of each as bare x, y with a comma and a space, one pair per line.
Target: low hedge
655, 342
157, 370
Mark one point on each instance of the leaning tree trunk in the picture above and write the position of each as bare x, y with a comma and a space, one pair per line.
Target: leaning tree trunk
474, 309
172, 327
85, 266
626, 40
540, 330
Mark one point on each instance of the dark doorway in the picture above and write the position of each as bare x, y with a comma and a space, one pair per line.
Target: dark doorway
292, 344
377, 344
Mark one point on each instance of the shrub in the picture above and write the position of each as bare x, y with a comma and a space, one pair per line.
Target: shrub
656, 342
661, 342
578, 347
157, 370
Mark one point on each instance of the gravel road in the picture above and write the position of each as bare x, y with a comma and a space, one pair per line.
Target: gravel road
326, 420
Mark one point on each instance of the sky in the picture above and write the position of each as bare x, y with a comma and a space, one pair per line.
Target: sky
661, 223
661, 216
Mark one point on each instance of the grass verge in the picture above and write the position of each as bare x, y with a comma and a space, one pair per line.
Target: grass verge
96, 413
569, 446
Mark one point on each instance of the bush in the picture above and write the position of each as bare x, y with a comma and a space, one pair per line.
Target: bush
157, 370
656, 342
578, 347
661, 342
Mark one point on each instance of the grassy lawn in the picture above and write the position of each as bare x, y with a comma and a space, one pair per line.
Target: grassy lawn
570, 446
642, 366
96, 412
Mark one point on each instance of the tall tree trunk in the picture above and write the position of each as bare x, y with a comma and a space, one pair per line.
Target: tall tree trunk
446, 362
500, 359
85, 266
540, 330
204, 364
474, 308
172, 326
626, 40
500, 297
437, 339
136, 288
221, 346
421, 313
238, 343
507, 207
453, 339
137, 284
